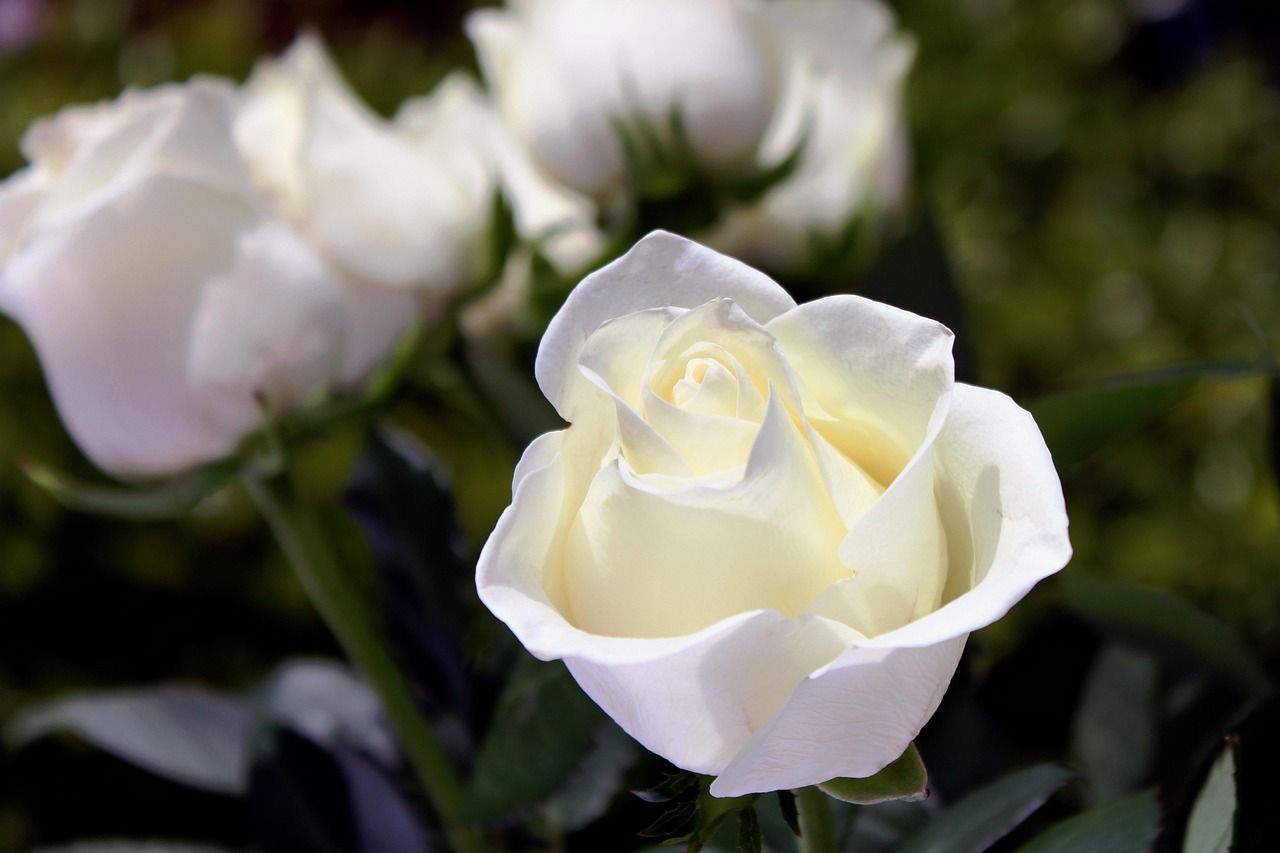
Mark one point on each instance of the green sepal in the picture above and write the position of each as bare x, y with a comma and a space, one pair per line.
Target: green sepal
905, 778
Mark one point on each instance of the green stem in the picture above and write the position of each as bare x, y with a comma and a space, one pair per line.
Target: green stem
343, 607
818, 831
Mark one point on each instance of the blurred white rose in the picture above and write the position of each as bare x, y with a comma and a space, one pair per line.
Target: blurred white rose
842, 100
752, 82
766, 534
168, 303
405, 205
565, 71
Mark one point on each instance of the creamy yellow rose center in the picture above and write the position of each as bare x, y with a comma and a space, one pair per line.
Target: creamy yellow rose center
717, 497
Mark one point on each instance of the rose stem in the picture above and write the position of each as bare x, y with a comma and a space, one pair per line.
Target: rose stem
344, 608
817, 829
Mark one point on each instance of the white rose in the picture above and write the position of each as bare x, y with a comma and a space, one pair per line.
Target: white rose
167, 303
405, 205
564, 72
763, 540
842, 99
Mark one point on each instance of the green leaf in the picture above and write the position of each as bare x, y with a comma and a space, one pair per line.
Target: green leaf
173, 498
1165, 622
905, 778
543, 728
1211, 828
1079, 422
1128, 825
750, 839
185, 734
790, 813
1114, 731
989, 813
587, 794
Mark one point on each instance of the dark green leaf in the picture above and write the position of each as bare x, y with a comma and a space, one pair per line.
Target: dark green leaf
512, 394
297, 796
587, 794
1211, 828
1128, 825
185, 734
304, 796
1079, 422
1168, 624
905, 778
543, 728
988, 814
790, 814
1114, 733
750, 839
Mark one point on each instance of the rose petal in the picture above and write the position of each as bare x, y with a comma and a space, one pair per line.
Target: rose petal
700, 704
773, 532
268, 331
661, 270
850, 718
1002, 506
113, 344
875, 374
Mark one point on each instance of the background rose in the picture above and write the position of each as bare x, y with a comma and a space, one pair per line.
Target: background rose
845, 65
763, 540
167, 301
405, 205
565, 72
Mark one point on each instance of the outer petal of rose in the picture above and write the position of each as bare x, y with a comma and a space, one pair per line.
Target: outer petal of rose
878, 374
850, 718
268, 331
114, 345
97, 151
622, 580
700, 705
660, 270
1002, 507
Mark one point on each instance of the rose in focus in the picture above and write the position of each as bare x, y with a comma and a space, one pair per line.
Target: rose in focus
767, 532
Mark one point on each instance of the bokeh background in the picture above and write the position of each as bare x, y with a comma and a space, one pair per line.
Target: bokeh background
1104, 175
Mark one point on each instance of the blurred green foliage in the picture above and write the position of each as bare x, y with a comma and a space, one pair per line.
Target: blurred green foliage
1098, 224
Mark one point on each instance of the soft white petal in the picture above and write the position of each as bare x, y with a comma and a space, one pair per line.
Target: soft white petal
898, 553
660, 270
698, 706
877, 373
91, 154
1003, 511
850, 718
111, 323
268, 332
540, 453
